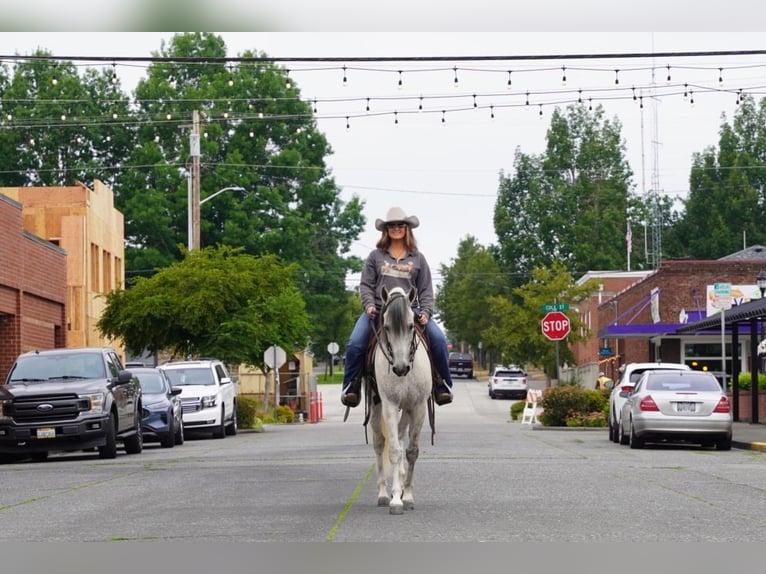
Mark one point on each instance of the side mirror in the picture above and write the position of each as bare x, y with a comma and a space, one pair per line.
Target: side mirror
225, 380
124, 377
175, 391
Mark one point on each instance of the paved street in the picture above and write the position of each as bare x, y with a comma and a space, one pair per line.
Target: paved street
485, 479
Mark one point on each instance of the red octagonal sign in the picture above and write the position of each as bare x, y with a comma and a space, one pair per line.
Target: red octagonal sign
555, 325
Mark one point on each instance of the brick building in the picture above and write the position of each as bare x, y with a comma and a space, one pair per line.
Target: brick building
33, 280
82, 224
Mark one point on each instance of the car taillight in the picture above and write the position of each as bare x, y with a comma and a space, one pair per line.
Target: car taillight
648, 404
626, 388
722, 406
524, 381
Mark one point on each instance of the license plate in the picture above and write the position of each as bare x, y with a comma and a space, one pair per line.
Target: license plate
46, 433
686, 407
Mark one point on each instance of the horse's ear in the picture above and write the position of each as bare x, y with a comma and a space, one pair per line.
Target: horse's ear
412, 295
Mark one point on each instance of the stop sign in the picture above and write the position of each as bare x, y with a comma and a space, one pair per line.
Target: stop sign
555, 325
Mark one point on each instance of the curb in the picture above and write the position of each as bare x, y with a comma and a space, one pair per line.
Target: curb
759, 446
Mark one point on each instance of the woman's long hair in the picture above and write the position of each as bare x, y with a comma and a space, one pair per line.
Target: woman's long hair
409, 240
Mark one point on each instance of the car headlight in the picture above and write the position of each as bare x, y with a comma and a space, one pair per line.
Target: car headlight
3, 415
208, 402
96, 401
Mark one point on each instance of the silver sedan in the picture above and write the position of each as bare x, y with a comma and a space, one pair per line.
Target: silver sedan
676, 406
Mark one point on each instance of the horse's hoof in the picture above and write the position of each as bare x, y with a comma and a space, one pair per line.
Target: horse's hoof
396, 510
383, 501
409, 505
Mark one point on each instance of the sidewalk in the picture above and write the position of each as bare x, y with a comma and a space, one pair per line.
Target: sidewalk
749, 436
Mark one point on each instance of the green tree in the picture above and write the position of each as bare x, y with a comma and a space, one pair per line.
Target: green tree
515, 328
217, 302
467, 284
571, 203
727, 188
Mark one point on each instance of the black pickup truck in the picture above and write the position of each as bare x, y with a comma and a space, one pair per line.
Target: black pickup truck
461, 364
69, 400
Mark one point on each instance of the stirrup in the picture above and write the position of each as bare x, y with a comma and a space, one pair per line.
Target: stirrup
442, 395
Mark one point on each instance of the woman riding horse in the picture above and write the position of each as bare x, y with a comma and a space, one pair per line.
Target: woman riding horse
395, 262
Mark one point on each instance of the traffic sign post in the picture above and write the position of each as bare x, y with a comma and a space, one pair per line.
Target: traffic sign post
332, 348
555, 325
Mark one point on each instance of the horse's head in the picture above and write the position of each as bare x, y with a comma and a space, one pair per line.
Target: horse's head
398, 323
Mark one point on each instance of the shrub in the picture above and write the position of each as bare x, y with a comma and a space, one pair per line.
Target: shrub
246, 408
285, 414
516, 409
746, 381
570, 405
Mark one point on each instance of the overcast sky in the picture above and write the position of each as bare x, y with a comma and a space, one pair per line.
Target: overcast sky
444, 166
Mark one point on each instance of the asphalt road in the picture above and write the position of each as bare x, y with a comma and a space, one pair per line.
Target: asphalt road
485, 479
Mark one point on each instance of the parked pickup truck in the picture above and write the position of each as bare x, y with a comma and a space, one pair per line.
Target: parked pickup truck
461, 364
69, 400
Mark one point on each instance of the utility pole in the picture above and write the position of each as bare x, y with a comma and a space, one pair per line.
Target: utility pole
194, 184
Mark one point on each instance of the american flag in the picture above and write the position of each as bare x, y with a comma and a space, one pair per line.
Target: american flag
629, 238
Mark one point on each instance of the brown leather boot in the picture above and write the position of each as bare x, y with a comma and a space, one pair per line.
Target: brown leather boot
351, 396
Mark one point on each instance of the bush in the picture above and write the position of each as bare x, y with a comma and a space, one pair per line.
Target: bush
285, 414
246, 408
516, 409
570, 405
746, 381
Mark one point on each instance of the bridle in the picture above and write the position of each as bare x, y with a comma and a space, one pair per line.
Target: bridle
383, 342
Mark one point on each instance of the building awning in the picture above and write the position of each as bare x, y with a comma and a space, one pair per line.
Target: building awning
737, 314
642, 331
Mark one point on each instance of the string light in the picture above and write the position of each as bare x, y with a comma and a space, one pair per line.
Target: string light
344, 82
444, 119
288, 84
720, 76
579, 96
396, 118
315, 105
641, 102
510, 83
616, 77
668, 78
400, 80
691, 97
590, 105
348, 125
541, 110
564, 76
634, 93
474, 101
114, 73
686, 91
420, 105
368, 104
527, 103
456, 81
492, 112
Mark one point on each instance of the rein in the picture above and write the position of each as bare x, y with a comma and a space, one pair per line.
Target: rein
380, 336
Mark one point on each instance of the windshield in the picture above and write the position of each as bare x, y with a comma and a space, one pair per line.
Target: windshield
151, 383
74, 366
190, 376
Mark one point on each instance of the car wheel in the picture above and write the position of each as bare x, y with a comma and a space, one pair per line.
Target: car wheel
724, 444
134, 443
635, 442
622, 437
168, 440
220, 430
109, 450
179, 433
231, 430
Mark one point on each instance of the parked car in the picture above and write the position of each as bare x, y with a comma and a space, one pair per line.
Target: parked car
208, 395
461, 364
630, 375
162, 411
68, 400
674, 406
508, 382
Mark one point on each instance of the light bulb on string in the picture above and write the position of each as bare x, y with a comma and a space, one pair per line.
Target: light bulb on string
231, 78
668, 78
9, 117
527, 103
252, 133
288, 84
634, 93
590, 104
114, 115
368, 105
720, 76
344, 82
63, 117
641, 102
492, 112
509, 84
315, 106
168, 116
31, 141
114, 79
691, 97
541, 110
444, 119
420, 105
579, 96
348, 125
260, 115
455, 82
616, 77
475, 105
396, 118
400, 84
564, 75
108, 138
686, 91
739, 97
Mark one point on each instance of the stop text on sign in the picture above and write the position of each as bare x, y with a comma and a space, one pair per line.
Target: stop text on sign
555, 326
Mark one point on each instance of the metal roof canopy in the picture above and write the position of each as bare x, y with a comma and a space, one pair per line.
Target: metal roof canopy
755, 309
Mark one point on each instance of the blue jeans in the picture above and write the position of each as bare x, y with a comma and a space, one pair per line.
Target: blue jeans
360, 335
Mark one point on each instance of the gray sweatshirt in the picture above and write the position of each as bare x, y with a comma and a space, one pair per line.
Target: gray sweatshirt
411, 271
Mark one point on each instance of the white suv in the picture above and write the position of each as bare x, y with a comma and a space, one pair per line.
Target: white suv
208, 395
621, 390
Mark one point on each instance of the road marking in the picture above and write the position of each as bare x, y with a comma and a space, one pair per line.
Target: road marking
349, 504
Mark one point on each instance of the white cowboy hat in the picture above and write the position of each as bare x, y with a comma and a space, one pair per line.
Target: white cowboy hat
396, 214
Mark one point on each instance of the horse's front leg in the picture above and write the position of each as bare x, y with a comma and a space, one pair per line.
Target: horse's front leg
412, 452
379, 445
391, 421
